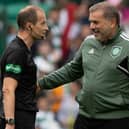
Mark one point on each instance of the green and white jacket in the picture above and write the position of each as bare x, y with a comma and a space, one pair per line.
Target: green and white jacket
105, 72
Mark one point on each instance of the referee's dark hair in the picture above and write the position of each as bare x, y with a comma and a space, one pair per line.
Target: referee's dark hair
27, 14
109, 11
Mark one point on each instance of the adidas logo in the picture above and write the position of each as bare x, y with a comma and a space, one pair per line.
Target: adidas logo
91, 51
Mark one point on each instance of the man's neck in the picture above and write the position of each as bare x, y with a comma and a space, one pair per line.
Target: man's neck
26, 38
114, 33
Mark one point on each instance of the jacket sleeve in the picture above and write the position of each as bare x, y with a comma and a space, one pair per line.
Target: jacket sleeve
69, 72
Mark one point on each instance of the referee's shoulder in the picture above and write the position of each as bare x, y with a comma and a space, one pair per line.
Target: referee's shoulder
14, 45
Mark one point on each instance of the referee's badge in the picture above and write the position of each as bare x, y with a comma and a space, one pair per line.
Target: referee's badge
115, 51
13, 68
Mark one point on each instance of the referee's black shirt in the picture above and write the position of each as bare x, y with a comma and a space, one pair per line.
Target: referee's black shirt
17, 63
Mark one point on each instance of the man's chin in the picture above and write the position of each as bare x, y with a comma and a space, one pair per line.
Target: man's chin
98, 38
102, 40
41, 38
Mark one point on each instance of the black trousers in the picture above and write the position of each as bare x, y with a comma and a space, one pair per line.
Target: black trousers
23, 120
85, 123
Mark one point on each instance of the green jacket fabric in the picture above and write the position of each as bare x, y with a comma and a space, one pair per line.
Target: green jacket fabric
104, 69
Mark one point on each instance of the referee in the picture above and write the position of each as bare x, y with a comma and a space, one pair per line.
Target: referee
18, 71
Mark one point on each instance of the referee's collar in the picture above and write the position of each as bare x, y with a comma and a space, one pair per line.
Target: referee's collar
22, 43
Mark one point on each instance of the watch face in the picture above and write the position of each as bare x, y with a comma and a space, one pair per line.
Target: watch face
11, 121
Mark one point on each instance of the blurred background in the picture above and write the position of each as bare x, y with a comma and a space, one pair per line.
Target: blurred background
69, 25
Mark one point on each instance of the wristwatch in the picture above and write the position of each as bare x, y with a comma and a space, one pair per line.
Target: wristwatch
10, 121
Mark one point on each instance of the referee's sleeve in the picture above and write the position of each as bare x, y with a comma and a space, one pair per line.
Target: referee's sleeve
15, 64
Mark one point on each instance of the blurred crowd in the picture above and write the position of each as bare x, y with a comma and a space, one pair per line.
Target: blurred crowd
68, 26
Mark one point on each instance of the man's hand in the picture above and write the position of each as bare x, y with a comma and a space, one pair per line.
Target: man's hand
37, 88
10, 126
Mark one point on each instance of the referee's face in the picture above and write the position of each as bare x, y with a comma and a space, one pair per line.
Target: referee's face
40, 29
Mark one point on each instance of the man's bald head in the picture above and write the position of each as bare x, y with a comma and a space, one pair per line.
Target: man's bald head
28, 14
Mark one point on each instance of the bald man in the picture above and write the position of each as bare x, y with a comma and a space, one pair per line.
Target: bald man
18, 71
103, 63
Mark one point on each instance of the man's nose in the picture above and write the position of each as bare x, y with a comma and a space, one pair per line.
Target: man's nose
92, 25
47, 28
